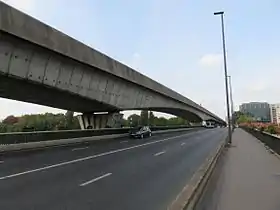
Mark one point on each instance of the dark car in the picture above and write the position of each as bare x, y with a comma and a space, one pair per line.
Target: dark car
140, 132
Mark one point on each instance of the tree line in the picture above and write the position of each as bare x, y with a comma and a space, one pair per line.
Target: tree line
67, 121
148, 118
240, 117
39, 122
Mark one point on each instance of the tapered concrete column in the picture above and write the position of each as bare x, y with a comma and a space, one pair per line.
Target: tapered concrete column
100, 120
86, 121
197, 123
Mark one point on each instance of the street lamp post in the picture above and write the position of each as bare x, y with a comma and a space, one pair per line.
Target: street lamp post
230, 95
149, 113
225, 68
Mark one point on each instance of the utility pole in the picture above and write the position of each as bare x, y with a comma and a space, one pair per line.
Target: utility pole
225, 69
231, 100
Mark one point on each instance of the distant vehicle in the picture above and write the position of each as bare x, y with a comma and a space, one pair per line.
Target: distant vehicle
140, 132
209, 125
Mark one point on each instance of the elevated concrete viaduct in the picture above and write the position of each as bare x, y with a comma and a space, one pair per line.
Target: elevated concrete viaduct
41, 65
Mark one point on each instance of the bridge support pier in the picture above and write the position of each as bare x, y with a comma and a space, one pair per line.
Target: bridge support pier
196, 123
100, 120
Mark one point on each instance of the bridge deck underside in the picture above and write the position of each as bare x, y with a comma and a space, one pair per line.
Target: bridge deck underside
21, 90
44, 66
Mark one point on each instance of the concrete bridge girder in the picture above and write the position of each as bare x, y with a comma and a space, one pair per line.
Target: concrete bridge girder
27, 62
30, 63
39, 64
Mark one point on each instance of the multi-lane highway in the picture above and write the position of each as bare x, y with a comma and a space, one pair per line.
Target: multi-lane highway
120, 175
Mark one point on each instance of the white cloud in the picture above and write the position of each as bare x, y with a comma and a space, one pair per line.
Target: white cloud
211, 60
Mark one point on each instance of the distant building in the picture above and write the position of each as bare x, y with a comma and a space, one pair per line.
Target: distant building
275, 113
260, 111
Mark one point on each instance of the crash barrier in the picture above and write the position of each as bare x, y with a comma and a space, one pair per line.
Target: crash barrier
31, 146
26, 137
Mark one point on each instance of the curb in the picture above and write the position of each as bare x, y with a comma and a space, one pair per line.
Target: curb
189, 196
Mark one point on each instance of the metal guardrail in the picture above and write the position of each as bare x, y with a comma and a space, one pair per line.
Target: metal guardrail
21, 147
26, 137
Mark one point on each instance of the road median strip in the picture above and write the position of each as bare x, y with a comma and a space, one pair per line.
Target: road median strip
55, 143
68, 142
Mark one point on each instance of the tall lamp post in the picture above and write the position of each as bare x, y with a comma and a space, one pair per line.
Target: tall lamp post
231, 100
225, 68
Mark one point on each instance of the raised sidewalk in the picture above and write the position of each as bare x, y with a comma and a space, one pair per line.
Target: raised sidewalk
246, 177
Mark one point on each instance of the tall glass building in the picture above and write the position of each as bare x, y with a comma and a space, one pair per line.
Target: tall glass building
275, 113
260, 111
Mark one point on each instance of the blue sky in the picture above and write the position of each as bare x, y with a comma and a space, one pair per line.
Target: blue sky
176, 42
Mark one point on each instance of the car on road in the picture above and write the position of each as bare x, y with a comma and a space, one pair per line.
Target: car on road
140, 132
209, 125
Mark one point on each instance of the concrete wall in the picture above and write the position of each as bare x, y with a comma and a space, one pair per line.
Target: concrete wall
24, 137
41, 61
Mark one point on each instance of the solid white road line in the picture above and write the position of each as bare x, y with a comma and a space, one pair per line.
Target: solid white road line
89, 157
81, 148
95, 179
159, 153
183, 144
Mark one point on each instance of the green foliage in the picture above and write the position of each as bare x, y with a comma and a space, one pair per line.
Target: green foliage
39, 122
69, 117
271, 129
161, 121
50, 122
10, 120
133, 120
144, 117
240, 117
150, 119
3, 128
177, 121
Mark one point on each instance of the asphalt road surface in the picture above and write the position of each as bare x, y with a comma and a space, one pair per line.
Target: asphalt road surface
126, 174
